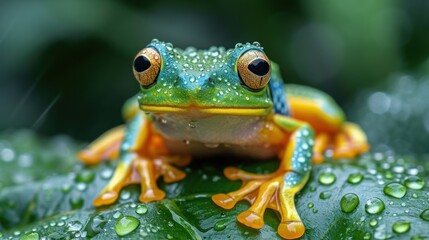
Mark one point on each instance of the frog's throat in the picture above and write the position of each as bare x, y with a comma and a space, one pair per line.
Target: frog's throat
208, 110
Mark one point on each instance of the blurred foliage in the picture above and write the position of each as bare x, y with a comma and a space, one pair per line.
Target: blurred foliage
396, 118
66, 65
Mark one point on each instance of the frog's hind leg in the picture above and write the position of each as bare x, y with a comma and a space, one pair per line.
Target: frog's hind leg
349, 142
105, 147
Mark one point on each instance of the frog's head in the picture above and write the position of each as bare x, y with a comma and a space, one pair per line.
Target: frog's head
206, 82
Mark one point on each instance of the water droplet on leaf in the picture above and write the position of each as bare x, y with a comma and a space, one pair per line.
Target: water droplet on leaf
355, 178
141, 209
395, 190
349, 202
414, 182
126, 225
327, 178
401, 226
374, 206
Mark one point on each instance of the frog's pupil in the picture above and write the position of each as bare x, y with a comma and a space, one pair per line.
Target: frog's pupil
259, 67
141, 63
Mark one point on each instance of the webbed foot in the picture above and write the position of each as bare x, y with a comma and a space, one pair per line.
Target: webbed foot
146, 172
349, 142
275, 191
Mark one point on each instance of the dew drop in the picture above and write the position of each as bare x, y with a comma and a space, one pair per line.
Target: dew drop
374, 206
141, 209
325, 195
76, 202
74, 226
192, 124
355, 178
221, 225
349, 202
95, 225
85, 176
106, 173
373, 222
169, 236
367, 236
30, 236
310, 205
395, 190
401, 226
425, 215
327, 178
126, 225
414, 182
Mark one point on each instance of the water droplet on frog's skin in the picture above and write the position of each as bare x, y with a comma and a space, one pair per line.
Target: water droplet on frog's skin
401, 226
349, 202
355, 178
141, 209
221, 225
374, 206
192, 124
325, 195
163, 121
125, 225
327, 178
414, 182
425, 215
373, 222
395, 190
30, 236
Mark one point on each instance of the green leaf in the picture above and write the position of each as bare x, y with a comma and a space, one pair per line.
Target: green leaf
60, 206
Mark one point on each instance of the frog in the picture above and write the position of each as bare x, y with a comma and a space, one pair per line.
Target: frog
219, 102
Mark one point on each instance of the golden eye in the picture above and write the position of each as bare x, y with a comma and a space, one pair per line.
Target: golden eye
254, 69
146, 66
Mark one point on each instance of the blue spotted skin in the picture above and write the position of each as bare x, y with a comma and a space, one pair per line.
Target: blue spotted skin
278, 97
301, 158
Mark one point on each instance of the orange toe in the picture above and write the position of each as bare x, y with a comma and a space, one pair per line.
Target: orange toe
291, 230
251, 219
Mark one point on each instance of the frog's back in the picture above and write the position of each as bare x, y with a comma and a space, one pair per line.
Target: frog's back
315, 107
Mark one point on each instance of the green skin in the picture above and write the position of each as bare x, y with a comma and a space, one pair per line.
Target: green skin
193, 79
209, 79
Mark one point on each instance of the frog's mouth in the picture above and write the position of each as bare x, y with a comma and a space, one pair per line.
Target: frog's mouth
206, 110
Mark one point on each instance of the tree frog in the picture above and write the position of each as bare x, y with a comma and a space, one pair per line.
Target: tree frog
219, 102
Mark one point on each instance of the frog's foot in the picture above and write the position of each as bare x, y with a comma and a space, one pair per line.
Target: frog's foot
105, 147
349, 142
146, 172
266, 191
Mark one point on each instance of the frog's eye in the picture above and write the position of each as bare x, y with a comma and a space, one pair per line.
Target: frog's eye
146, 66
254, 69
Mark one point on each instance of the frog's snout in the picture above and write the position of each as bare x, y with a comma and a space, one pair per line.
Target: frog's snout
195, 83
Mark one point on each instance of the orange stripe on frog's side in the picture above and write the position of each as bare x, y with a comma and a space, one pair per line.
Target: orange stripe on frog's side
311, 111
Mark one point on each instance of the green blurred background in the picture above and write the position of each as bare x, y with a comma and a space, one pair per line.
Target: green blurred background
65, 66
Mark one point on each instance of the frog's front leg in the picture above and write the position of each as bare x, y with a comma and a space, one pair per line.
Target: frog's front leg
276, 190
143, 159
